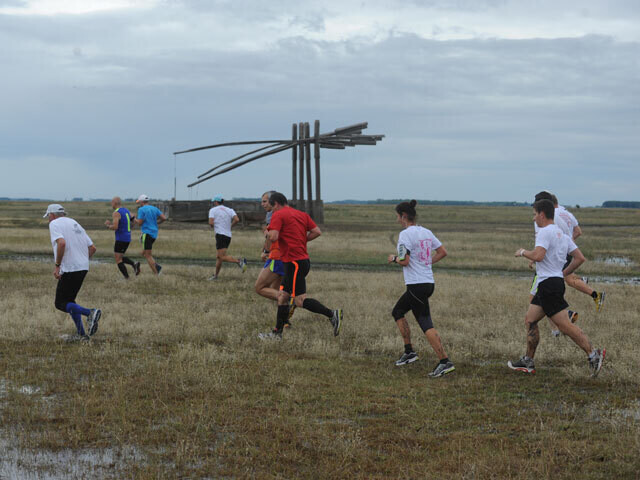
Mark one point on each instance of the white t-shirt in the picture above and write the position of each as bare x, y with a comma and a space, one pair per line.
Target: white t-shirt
420, 243
558, 245
568, 217
77, 243
560, 222
222, 217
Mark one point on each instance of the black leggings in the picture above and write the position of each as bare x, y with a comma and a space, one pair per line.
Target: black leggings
68, 287
416, 299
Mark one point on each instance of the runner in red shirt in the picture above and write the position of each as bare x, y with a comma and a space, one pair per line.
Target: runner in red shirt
292, 229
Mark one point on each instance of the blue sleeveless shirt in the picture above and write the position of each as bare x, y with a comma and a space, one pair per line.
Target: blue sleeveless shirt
123, 233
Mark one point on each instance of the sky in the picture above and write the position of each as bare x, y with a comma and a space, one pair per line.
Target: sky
485, 100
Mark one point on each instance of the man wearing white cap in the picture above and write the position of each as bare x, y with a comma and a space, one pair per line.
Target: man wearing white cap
221, 219
148, 218
72, 249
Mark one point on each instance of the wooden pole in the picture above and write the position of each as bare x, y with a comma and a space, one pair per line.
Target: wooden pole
307, 149
316, 155
300, 204
294, 163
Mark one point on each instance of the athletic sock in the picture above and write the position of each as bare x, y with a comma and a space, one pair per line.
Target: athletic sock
315, 306
283, 313
76, 312
444, 360
408, 348
594, 294
123, 269
128, 261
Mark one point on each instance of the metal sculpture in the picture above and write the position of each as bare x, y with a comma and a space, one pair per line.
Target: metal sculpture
300, 146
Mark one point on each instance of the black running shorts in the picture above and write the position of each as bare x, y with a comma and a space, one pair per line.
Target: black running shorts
120, 247
222, 241
68, 287
147, 241
550, 296
294, 279
416, 300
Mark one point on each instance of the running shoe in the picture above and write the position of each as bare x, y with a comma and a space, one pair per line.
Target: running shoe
525, 364
243, 264
336, 321
407, 358
158, 268
555, 333
213, 277
573, 316
599, 300
94, 318
136, 268
442, 369
596, 362
585, 279
274, 334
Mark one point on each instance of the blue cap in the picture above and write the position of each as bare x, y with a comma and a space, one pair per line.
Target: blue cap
217, 198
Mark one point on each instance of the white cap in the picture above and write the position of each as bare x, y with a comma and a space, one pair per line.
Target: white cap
142, 198
53, 208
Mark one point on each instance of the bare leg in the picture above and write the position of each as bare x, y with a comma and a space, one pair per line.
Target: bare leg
572, 331
574, 281
152, 263
403, 326
221, 256
533, 316
435, 342
118, 257
265, 284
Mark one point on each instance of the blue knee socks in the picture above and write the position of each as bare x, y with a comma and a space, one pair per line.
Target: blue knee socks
76, 312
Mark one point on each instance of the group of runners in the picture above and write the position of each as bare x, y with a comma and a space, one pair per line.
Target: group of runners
283, 276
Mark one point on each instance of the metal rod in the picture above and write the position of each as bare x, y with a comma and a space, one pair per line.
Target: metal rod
231, 144
236, 158
279, 149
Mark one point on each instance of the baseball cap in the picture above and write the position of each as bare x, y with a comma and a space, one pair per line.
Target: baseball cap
217, 198
142, 198
53, 208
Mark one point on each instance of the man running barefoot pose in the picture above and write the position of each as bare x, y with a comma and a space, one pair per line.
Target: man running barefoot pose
551, 249
222, 219
292, 229
416, 247
148, 218
122, 226
72, 249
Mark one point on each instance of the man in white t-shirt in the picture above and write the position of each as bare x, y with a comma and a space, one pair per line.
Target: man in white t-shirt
569, 224
551, 249
221, 219
72, 249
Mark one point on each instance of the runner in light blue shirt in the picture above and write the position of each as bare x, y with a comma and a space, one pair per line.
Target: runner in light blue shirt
148, 218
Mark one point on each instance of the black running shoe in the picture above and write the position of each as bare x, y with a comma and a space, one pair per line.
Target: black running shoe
158, 268
136, 268
407, 358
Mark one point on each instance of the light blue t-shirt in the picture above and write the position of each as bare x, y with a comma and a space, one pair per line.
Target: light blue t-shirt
149, 214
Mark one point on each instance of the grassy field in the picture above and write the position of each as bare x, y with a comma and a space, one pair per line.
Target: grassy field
176, 383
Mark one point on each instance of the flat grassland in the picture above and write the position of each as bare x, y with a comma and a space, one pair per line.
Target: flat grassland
176, 383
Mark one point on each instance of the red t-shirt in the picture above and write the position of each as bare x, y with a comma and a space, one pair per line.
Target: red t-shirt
292, 226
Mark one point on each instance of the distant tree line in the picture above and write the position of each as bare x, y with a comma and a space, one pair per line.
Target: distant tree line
620, 204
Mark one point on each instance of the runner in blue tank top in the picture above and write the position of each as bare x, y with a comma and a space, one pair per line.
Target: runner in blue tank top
148, 218
122, 225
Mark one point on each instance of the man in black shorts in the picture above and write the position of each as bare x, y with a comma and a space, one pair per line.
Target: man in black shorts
121, 224
551, 249
292, 229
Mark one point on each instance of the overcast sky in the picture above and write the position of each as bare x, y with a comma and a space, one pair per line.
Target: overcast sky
478, 99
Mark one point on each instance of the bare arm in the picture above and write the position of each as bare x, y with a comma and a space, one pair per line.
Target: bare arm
396, 259
577, 231
536, 255
273, 235
441, 252
211, 222
315, 232
161, 218
60, 247
577, 259
116, 221
234, 220
92, 250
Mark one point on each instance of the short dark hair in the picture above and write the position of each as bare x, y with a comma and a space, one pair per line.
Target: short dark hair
409, 208
546, 206
543, 195
277, 197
